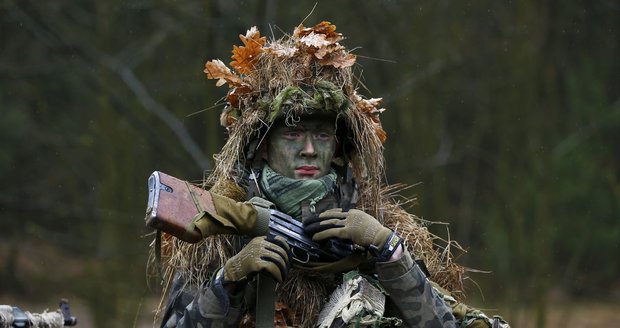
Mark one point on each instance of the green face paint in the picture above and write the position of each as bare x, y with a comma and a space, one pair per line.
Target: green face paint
303, 151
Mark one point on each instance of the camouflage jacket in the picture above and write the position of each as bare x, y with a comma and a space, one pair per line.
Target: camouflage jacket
411, 297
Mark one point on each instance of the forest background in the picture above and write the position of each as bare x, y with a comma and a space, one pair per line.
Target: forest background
503, 115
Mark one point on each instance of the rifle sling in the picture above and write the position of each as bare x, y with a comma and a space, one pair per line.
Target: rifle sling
265, 301
158, 254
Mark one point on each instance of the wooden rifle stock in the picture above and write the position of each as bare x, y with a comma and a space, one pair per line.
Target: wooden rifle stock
173, 204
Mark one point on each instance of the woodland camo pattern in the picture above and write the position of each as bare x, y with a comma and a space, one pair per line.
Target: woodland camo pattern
411, 298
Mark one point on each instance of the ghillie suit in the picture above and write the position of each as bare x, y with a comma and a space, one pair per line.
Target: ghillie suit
271, 75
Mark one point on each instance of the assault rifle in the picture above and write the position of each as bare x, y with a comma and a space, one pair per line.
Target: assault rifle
172, 204
12, 316
304, 249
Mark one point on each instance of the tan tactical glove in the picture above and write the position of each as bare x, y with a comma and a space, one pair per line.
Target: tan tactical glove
261, 253
227, 216
357, 226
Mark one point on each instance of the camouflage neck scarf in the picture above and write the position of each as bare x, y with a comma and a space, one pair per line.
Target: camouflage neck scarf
288, 194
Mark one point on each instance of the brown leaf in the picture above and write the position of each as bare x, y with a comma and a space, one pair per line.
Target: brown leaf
281, 50
375, 113
325, 28
314, 40
367, 105
371, 108
216, 69
375, 102
338, 60
330, 49
300, 31
233, 95
252, 37
245, 56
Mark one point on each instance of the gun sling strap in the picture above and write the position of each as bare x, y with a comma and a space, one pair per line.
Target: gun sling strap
265, 301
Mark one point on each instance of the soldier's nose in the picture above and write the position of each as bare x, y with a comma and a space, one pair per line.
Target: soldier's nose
308, 149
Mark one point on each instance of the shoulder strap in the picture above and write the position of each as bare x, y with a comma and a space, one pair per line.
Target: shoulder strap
266, 285
265, 301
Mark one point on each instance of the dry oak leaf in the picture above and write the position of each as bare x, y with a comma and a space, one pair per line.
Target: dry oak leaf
338, 60
367, 105
245, 56
216, 69
325, 28
315, 40
371, 108
280, 50
330, 49
235, 93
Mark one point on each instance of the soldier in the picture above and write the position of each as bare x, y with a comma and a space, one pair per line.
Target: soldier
300, 135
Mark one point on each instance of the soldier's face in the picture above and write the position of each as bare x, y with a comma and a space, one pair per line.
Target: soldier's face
303, 151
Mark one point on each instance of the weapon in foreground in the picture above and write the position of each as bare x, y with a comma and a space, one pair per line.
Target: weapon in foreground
304, 249
12, 316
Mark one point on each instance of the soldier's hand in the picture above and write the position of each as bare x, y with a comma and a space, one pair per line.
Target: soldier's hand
355, 225
260, 254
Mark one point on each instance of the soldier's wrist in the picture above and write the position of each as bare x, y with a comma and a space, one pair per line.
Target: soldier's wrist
385, 252
232, 287
229, 277
398, 253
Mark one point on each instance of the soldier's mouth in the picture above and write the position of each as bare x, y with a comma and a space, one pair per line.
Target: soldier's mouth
307, 170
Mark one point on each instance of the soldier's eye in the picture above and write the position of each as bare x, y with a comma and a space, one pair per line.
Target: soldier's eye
323, 136
292, 135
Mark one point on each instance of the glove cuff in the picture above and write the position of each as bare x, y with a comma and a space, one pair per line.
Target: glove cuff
226, 298
218, 289
263, 207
